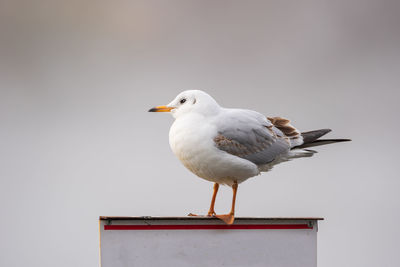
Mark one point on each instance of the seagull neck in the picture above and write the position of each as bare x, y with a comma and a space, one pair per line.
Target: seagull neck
212, 111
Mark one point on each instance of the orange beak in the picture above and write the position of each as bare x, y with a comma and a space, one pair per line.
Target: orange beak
161, 109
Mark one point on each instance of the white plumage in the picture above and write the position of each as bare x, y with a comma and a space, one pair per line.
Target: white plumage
199, 120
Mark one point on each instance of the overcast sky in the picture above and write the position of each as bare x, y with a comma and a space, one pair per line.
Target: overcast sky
77, 142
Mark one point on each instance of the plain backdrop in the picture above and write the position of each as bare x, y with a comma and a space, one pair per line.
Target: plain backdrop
77, 142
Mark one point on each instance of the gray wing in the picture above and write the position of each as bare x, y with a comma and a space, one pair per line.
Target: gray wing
249, 135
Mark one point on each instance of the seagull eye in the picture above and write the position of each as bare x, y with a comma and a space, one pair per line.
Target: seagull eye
183, 100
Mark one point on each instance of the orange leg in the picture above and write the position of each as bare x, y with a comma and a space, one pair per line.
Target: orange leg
211, 212
230, 217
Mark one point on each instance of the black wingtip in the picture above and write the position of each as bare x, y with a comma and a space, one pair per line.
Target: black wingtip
321, 142
345, 140
311, 136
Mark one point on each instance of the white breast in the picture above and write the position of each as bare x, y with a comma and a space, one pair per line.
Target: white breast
191, 140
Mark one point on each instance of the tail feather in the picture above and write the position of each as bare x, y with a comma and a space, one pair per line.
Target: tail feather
310, 139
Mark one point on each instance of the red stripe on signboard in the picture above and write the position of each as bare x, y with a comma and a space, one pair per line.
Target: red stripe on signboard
207, 227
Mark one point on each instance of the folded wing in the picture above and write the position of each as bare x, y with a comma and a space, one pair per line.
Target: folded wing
249, 135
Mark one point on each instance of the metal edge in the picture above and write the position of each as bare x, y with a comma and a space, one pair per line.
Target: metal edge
100, 242
188, 218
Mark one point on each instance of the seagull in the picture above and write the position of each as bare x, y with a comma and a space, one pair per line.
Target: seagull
228, 146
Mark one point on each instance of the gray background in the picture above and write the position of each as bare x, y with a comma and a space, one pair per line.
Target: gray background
76, 141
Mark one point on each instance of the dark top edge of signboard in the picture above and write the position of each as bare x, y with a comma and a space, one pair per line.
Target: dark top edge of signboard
134, 218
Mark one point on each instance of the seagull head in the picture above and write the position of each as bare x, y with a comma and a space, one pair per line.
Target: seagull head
190, 101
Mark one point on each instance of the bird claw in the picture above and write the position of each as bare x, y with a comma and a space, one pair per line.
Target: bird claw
226, 218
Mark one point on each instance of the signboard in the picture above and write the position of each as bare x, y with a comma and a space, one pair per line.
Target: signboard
204, 241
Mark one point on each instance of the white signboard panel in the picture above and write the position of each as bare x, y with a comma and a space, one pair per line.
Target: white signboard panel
188, 241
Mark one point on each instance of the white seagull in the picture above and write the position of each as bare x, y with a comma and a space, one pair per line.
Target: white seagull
228, 146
